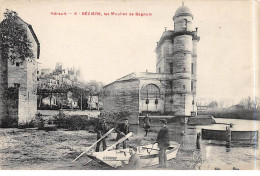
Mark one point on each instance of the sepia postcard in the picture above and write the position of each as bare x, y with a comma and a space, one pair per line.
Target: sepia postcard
129, 85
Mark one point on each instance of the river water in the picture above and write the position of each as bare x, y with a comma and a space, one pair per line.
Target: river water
213, 154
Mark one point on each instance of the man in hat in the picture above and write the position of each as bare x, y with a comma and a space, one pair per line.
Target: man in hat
147, 124
134, 161
163, 141
101, 129
122, 129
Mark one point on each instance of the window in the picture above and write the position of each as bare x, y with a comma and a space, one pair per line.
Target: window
183, 86
38, 79
192, 71
37, 72
159, 70
171, 68
150, 91
191, 85
185, 23
17, 64
170, 82
16, 85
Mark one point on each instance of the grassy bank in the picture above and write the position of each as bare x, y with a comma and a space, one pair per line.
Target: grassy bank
233, 114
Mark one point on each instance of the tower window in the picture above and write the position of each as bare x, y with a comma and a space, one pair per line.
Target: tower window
191, 85
159, 70
192, 71
17, 64
170, 82
16, 85
185, 23
183, 86
171, 68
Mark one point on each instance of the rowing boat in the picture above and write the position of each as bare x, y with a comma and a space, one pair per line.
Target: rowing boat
149, 155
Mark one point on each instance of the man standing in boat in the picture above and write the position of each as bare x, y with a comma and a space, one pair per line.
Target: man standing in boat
122, 129
101, 129
163, 142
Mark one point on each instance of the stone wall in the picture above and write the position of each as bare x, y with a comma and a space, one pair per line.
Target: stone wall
13, 102
123, 96
22, 75
183, 23
3, 86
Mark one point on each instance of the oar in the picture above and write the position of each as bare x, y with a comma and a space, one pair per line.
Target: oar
150, 148
107, 133
119, 141
231, 124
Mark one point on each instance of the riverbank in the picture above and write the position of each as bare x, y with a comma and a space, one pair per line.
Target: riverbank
54, 150
244, 114
36, 149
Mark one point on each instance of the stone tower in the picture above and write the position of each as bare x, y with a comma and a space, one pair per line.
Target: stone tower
177, 58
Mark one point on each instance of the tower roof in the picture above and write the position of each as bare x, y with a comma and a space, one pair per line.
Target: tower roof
182, 11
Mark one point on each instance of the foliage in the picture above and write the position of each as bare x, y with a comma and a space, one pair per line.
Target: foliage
213, 104
74, 122
15, 43
115, 117
39, 121
9, 122
248, 103
236, 114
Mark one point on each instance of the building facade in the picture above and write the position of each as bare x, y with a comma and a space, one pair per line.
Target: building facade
59, 77
21, 79
172, 89
176, 56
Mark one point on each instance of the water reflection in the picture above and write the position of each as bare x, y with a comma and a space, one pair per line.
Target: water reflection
213, 154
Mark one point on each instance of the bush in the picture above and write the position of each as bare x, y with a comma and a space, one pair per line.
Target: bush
115, 117
48, 107
9, 122
74, 122
39, 121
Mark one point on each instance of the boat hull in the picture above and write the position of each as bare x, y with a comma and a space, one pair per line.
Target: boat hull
148, 154
220, 135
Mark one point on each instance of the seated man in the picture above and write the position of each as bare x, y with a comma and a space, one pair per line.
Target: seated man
134, 161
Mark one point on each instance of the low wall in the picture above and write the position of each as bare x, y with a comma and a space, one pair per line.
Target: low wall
156, 119
201, 120
69, 113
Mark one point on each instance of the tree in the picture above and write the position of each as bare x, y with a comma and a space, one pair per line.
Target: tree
247, 103
213, 104
14, 45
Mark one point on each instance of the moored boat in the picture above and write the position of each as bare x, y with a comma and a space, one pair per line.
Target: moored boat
149, 155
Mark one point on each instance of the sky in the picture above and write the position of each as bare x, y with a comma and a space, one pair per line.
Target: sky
106, 48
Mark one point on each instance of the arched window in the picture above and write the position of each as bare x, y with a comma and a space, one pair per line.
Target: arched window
150, 91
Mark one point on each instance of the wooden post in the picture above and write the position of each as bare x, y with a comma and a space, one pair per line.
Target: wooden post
51, 97
198, 141
228, 138
81, 102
